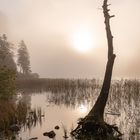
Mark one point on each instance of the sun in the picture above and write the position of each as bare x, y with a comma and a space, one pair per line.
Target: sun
83, 40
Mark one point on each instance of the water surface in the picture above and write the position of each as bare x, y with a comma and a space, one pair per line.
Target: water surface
65, 107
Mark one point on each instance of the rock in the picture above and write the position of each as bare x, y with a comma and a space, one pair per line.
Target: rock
14, 128
35, 138
56, 127
65, 137
13, 138
50, 134
31, 112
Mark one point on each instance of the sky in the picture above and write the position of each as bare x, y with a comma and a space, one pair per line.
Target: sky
67, 39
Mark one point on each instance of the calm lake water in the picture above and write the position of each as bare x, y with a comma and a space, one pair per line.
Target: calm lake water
63, 104
53, 114
64, 108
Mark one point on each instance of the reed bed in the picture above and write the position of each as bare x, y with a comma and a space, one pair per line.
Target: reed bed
19, 114
11, 113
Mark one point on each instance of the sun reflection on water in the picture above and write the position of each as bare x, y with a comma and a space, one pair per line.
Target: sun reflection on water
83, 109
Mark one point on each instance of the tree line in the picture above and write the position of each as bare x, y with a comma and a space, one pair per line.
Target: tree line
12, 68
7, 57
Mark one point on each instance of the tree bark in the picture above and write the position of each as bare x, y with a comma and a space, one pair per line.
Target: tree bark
93, 125
97, 112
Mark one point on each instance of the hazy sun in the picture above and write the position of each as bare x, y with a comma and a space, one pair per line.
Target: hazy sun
83, 40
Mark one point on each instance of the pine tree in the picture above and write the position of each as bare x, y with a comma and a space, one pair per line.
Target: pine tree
7, 69
23, 59
7, 83
6, 54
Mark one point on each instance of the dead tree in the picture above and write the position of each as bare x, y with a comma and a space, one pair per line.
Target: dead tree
97, 112
95, 118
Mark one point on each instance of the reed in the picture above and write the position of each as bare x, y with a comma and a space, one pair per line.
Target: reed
11, 113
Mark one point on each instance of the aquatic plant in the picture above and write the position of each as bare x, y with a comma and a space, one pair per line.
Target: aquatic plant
11, 114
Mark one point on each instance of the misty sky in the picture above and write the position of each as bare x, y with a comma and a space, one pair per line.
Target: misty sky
48, 27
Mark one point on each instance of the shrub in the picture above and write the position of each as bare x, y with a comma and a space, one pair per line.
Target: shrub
7, 83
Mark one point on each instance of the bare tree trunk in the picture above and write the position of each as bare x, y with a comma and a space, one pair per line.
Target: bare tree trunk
97, 112
93, 125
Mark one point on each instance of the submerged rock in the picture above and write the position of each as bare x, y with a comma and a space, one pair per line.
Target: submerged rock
35, 138
14, 128
42, 115
50, 134
65, 137
56, 127
13, 138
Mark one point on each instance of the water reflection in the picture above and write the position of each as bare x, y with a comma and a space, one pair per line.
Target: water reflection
73, 103
83, 109
63, 103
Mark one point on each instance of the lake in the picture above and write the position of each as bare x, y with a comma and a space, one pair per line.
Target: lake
63, 108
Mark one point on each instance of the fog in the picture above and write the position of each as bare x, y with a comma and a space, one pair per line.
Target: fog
48, 27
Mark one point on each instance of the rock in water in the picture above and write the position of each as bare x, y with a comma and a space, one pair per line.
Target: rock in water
14, 128
35, 138
50, 134
56, 127
65, 137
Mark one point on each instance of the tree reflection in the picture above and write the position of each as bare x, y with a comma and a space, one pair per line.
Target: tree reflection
122, 107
